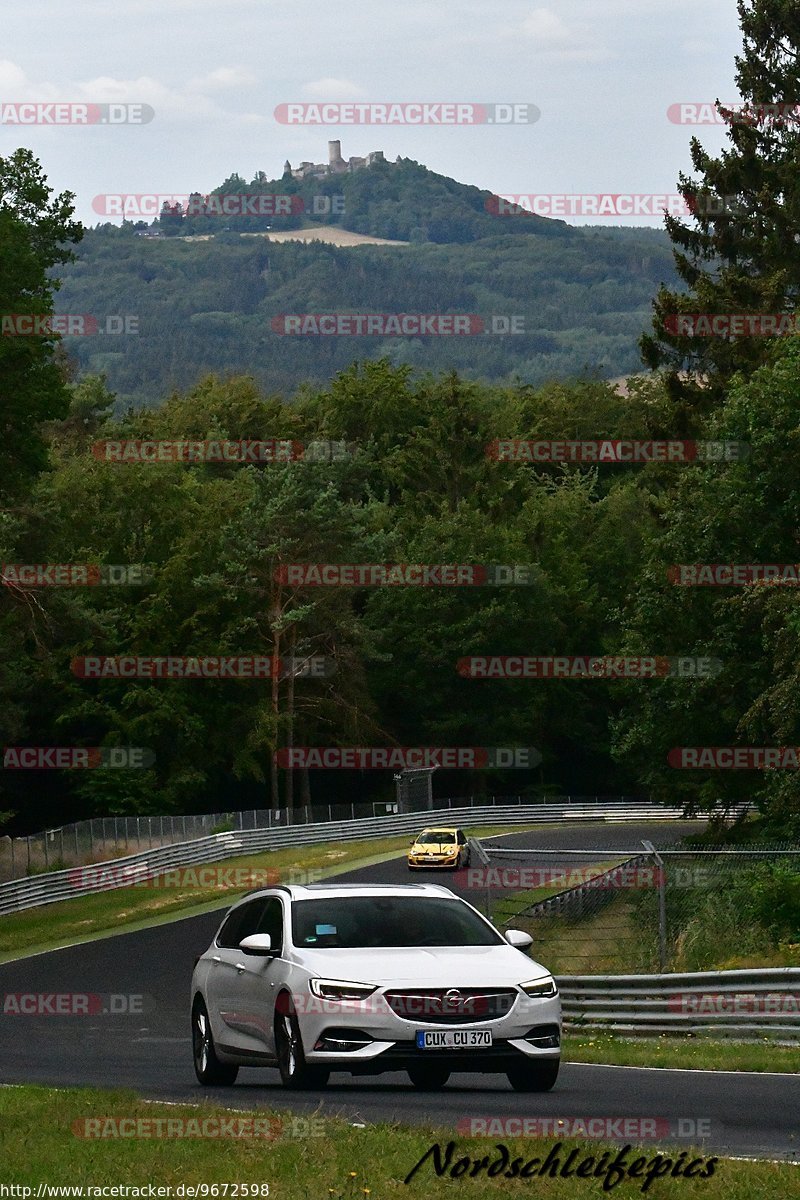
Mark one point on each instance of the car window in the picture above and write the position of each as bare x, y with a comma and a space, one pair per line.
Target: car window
241, 923
436, 836
271, 922
384, 921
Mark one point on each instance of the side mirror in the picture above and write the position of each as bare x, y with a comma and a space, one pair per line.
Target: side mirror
518, 939
257, 943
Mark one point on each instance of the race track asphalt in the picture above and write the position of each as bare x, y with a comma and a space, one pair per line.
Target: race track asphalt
150, 1051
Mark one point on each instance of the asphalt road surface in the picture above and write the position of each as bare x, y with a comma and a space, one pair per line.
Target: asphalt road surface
150, 1051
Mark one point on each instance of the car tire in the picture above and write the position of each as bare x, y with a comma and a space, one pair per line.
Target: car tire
295, 1071
429, 1077
533, 1076
207, 1067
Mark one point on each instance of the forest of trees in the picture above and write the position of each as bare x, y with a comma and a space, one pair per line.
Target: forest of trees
583, 296
419, 487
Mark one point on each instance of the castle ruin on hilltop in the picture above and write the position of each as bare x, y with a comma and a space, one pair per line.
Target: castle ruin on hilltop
336, 165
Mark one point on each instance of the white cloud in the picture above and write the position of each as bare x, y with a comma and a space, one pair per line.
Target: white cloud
544, 34
546, 28
12, 77
332, 89
189, 102
224, 77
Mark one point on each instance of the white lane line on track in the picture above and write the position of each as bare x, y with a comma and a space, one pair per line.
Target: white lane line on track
687, 1070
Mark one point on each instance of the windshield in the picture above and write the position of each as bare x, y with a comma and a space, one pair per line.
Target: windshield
384, 921
437, 836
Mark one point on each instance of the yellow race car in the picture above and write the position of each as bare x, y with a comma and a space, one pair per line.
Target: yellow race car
439, 847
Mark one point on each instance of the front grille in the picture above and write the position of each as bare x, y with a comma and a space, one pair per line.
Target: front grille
451, 1006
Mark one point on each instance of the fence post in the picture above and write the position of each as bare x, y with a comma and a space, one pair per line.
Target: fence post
662, 905
662, 914
77, 850
61, 835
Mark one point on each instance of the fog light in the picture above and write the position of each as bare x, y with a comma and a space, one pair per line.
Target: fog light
342, 1041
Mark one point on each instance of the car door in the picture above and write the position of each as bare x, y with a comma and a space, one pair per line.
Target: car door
231, 1025
258, 979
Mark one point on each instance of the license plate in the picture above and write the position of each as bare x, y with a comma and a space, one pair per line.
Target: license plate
453, 1039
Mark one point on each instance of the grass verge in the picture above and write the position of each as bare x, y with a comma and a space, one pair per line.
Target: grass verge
339, 1162
686, 1053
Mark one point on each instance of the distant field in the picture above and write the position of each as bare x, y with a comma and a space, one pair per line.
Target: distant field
331, 234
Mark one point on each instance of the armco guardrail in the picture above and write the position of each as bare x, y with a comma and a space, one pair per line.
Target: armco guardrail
751, 1004
49, 888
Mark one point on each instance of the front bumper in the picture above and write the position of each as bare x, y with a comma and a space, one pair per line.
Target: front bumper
502, 1055
362, 1041
440, 860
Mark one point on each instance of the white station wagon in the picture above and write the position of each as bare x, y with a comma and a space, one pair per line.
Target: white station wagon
367, 979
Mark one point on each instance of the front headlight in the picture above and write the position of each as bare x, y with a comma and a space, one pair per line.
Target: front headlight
540, 988
341, 989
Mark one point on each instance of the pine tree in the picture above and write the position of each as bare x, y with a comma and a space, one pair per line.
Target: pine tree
739, 252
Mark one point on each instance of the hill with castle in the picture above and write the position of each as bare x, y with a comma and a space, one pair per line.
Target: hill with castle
396, 201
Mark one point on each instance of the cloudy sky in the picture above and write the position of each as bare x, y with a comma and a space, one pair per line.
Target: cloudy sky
603, 75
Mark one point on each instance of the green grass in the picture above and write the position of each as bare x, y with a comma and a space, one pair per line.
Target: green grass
119, 910
605, 942
339, 1163
687, 1053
